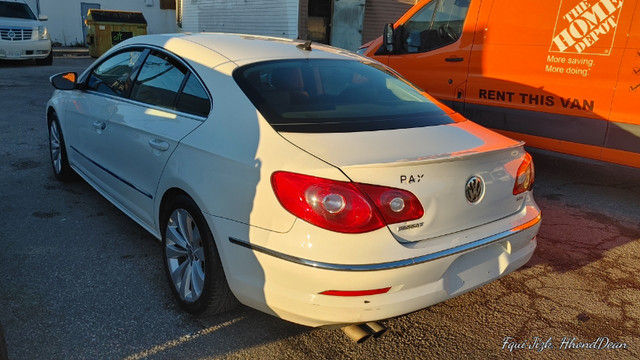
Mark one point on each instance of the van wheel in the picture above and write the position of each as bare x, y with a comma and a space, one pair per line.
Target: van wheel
192, 263
46, 61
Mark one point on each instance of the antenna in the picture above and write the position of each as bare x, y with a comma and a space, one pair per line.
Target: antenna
306, 46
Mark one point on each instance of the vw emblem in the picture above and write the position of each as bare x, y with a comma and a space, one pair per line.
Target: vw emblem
11, 34
474, 189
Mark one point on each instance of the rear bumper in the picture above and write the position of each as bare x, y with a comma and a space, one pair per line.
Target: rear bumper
393, 264
22, 50
290, 286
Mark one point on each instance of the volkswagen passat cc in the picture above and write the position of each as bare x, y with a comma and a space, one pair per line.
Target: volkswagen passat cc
302, 180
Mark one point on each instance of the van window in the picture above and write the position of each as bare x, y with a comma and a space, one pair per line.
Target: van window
437, 24
322, 95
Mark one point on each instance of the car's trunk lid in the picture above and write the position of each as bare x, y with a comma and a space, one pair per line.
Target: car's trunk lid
435, 163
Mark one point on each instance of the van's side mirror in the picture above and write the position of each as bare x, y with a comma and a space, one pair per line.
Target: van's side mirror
43, 18
64, 81
387, 38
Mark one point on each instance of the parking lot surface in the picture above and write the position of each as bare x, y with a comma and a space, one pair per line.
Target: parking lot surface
80, 280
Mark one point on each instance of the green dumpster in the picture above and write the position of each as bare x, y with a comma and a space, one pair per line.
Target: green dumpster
106, 28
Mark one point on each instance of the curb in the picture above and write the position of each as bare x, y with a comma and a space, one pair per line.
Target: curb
70, 52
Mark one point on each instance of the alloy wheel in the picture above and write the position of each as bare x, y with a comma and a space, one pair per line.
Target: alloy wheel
55, 147
185, 255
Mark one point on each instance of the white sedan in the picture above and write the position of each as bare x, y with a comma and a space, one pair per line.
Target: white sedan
302, 180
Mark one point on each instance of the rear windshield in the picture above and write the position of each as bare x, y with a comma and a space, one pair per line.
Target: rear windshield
322, 95
16, 10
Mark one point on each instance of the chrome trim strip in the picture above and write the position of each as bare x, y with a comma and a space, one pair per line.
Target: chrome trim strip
112, 174
388, 265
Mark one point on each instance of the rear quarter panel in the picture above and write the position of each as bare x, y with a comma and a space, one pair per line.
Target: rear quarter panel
230, 158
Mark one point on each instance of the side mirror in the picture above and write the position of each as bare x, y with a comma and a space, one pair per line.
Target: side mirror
43, 18
387, 38
64, 81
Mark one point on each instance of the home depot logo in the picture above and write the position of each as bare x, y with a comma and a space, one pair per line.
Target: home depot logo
586, 27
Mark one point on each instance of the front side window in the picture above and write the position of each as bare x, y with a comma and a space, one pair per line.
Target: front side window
321, 95
159, 81
113, 76
437, 24
16, 10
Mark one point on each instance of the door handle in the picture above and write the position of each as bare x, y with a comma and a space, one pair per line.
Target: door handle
99, 125
159, 144
454, 59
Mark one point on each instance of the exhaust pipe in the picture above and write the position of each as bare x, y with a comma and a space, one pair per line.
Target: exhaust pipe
376, 329
356, 333
361, 332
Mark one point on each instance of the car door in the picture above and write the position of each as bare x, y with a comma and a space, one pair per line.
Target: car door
87, 116
434, 47
167, 101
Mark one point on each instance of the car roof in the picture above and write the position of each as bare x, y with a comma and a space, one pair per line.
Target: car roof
239, 48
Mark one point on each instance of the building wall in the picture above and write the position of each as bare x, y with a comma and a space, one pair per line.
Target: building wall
259, 17
303, 10
379, 12
282, 18
33, 4
65, 20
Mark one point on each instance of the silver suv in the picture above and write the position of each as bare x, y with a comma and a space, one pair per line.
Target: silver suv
22, 35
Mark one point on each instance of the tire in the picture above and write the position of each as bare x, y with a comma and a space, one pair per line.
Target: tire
191, 260
46, 61
58, 152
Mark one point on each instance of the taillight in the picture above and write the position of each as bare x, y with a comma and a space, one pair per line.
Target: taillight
525, 176
395, 205
344, 207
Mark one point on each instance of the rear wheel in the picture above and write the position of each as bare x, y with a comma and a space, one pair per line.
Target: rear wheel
58, 152
192, 262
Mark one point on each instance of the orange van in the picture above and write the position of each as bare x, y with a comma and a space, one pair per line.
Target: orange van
562, 75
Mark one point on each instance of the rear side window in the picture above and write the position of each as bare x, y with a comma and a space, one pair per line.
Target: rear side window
322, 95
159, 81
166, 82
113, 76
193, 99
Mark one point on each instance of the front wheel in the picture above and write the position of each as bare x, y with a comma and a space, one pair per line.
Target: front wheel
57, 151
192, 262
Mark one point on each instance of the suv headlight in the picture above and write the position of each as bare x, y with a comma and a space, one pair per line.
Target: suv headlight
43, 34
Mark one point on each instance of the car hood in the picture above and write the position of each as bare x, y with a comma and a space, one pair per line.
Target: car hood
435, 163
